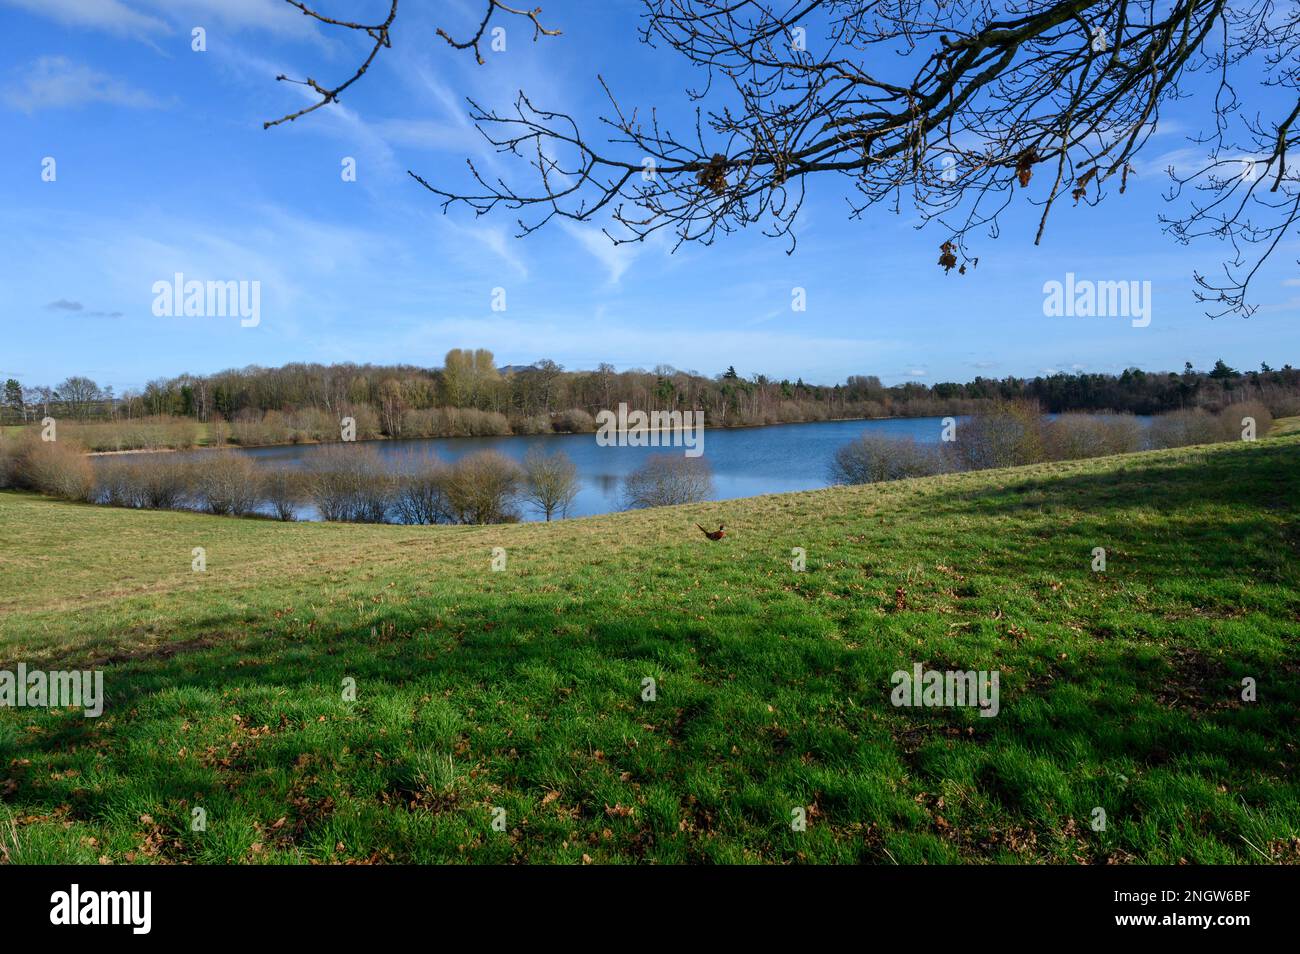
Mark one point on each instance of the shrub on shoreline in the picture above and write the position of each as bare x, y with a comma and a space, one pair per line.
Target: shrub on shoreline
349, 483
8, 460
1183, 428
117, 483
869, 459
1009, 434
1013, 434
227, 483
1232, 415
575, 421
483, 488
283, 491
536, 424
165, 483
420, 497
550, 482
668, 479
452, 422
142, 433
55, 468
1073, 436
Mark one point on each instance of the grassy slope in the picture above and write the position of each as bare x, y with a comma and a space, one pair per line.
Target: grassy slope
522, 689
1286, 425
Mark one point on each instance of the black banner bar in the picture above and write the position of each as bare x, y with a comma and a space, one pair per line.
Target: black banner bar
333, 903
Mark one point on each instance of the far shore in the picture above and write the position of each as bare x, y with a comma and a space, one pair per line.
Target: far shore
372, 440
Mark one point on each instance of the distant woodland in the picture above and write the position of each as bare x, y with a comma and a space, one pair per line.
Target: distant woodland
470, 394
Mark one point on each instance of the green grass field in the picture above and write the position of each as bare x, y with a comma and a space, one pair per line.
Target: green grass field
1286, 425
522, 690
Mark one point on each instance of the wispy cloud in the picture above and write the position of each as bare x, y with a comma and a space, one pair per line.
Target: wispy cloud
615, 259
428, 134
55, 82
361, 139
495, 239
1187, 160
144, 19
274, 16
110, 15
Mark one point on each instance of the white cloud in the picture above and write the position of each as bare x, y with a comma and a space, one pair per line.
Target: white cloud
274, 16
616, 259
110, 15
296, 259
144, 18
1194, 159
54, 82
494, 238
427, 134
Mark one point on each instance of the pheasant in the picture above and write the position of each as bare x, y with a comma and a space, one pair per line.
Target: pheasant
717, 534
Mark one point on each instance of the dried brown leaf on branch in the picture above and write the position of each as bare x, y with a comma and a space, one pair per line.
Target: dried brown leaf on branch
948, 257
1025, 166
714, 175
1081, 187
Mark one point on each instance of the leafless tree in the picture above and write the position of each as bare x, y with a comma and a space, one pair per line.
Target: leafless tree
668, 479
227, 483
947, 106
482, 487
869, 459
283, 491
349, 483
550, 482
79, 395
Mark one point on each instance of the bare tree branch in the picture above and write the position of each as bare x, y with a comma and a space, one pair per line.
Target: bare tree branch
492, 7
947, 106
377, 32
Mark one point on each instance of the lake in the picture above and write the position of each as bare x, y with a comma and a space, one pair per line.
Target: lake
746, 461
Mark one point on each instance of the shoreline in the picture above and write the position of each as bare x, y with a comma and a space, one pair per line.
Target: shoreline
453, 437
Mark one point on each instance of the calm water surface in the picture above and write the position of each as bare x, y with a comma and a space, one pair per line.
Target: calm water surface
746, 461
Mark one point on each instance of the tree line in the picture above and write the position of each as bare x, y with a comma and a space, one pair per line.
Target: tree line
413, 401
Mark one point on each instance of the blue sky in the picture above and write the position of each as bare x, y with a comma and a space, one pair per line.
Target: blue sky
163, 167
